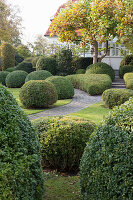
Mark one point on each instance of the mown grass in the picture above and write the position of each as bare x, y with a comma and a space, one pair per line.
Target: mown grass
15, 92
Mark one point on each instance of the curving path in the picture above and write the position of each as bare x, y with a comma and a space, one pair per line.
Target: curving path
80, 101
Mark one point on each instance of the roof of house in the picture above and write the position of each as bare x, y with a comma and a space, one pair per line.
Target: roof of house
59, 9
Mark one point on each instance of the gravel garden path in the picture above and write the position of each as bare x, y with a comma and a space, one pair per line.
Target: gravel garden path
80, 101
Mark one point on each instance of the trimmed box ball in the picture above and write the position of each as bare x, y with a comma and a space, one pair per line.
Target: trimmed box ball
3, 76
63, 86
16, 79
38, 94
38, 75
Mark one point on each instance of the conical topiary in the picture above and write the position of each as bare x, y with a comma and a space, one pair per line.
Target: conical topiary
20, 161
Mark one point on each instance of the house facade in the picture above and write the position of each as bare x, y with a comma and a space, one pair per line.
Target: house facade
115, 52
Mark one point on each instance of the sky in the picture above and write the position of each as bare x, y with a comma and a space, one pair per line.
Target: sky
36, 16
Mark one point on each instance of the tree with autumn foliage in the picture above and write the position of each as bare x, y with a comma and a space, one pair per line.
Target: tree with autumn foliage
95, 21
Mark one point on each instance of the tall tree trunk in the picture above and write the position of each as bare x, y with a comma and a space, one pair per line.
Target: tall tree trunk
105, 52
95, 52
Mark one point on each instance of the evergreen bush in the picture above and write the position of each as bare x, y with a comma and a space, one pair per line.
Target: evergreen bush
80, 71
20, 161
3, 76
38, 75
63, 86
38, 94
62, 141
16, 79
125, 69
128, 78
11, 69
25, 66
106, 164
81, 63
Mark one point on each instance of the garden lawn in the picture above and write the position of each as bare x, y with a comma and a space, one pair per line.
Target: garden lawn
94, 113
15, 92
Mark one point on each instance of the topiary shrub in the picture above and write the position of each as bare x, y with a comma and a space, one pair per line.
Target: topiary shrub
3, 76
38, 75
20, 161
115, 97
38, 94
125, 69
63, 86
106, 165
47, 63
16, 79
80, 71
93, 84
128, 78
62, 141
101, 68
11, 69
25, 66
7, 55
18, 58
81, 63
126, 60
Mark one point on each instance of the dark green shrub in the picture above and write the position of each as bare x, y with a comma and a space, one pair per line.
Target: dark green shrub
116, 97
25, 66
125, 69
93, 84
3, 76
64, 60
106, 165
62, 141
20, 161
81, 63
11, 69
80, 71
38, 94
16, 79
63, 86
18, 58
128, 78
38, 75
101, 68
7, 55
47, 63
126, 60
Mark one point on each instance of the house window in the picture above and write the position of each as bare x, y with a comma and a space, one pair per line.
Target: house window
115, 50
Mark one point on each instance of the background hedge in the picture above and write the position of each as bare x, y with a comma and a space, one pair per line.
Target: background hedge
115, 97
38, 94
38, 75
81, 63
63, 86
20, 161
16, 79
25, 66
62, 141
106, 165
101, 68
125, 69
126, 60
93, 84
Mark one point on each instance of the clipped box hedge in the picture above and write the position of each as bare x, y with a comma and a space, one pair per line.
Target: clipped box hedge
125, 69
106, 168
3, 76
38, 75
93, 84
62, 141
116, 97
128, 78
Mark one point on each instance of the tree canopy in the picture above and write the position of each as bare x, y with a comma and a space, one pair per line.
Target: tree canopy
95, 21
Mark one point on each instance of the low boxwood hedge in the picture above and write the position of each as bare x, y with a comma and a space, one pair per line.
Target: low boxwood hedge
115, 97
93, 84
63, 86
21, 174
128, 78
106, 164
3, 76
25, 66
16, 79
101, 68
62, 141
125, 69
38, 94
38, 75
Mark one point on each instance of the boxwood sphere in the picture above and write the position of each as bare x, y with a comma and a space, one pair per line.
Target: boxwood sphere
106, 167
101, 68
63, 86
3, 76
38, 75
25, 66
16, 79
20, 161
62, 141
38, 94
